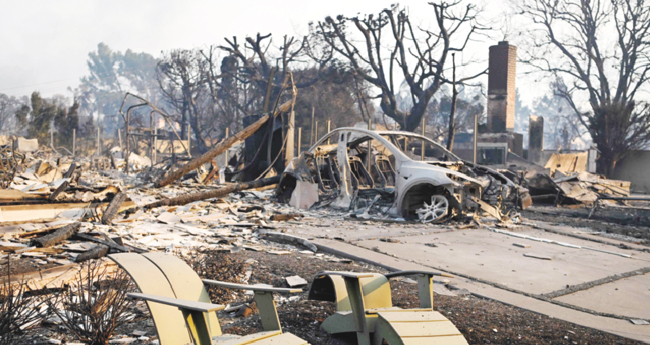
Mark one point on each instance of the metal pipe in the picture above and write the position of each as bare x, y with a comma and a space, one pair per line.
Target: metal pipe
127, 119
299, 139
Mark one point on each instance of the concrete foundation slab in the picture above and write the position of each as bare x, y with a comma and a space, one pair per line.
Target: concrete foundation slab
629, 297
492, 257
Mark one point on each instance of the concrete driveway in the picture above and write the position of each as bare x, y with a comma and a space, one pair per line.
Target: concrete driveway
599, 285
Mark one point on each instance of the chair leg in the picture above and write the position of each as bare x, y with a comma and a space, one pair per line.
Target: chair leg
268, 312
355, 294
384, 332
425, 288
198, 326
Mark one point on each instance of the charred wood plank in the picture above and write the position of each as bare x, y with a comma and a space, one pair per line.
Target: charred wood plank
110, 244
213, 171
235, 187
113, 207
56, 237
220, 148
68, 174
59, 190
98, 252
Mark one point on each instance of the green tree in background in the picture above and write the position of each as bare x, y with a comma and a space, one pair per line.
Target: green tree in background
65, 121
41, 116
44, 113
112, 74
10, 122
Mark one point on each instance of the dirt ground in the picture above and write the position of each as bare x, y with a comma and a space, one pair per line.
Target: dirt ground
481, 321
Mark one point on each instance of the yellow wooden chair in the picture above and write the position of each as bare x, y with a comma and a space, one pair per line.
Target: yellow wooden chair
364, 305
181, 308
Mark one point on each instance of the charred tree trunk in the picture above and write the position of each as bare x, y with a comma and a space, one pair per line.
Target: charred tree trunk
236, 187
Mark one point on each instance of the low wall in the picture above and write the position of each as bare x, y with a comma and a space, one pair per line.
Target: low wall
635, 167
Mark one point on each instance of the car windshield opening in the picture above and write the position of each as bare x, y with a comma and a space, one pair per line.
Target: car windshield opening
413, 146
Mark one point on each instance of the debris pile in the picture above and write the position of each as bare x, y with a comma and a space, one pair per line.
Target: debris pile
581, 188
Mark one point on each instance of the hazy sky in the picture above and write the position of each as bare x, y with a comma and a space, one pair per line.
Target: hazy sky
45, 44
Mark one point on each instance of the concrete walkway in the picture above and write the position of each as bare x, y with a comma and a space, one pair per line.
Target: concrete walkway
586, 280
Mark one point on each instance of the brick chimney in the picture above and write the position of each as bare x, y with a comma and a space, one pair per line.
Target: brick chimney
501, 88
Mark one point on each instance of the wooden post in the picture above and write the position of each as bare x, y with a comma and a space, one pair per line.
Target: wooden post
329, 128
291, 139
74, 141
189, 140
299, 139
151, 135
98, 143
424, 123
126, 153
52, 137
155, 145
368, 161
315, 132
311, 129
225, 158
475, 138
452, 114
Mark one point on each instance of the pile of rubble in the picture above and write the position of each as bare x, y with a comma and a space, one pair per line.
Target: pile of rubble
579, 188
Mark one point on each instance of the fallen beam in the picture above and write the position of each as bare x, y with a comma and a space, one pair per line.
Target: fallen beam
17, 214
235, 187
56, 237
220, 148
278, 236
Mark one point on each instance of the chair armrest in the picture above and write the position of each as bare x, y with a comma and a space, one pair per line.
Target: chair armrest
344, 274
249, 287
180, 303
410, 273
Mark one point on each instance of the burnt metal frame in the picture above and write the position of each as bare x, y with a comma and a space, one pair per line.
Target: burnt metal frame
127, 119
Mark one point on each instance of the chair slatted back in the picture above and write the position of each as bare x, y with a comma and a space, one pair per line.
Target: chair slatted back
168, 320
185, 282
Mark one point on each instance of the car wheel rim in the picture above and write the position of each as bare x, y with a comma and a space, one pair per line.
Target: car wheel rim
433, 211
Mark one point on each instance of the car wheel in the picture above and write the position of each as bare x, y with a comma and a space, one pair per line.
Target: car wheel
434, 210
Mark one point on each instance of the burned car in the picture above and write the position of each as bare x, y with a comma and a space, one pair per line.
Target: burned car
401, 174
